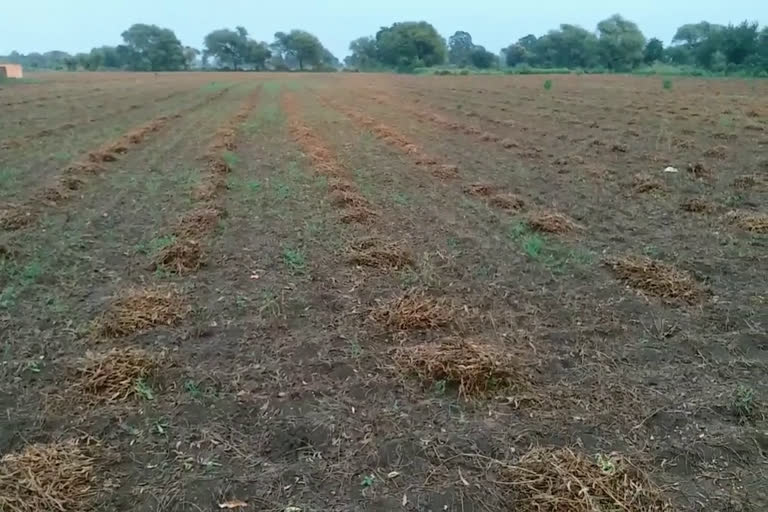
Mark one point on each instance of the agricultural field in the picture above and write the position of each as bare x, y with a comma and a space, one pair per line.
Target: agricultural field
343, 292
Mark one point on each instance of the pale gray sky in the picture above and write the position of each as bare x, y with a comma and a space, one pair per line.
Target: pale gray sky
79, 25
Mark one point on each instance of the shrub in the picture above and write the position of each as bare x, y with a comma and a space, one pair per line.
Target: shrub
667, 84
547, 85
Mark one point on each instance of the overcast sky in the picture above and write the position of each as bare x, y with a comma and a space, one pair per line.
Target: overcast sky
78, 25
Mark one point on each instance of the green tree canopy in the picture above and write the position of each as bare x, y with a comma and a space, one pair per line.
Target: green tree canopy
482, 58
654, 51
234, 49
153, 48
410, 44
621, 43
364, 54
300, 45
460, 47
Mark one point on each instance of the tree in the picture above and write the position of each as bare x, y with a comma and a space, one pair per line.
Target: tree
153, 48
304, 47
410, 44
460, 47
515, 54
257, 53
364, 54
692, 34
654, 51
229, 47
190, 57
621, 43
738, 42
528, 42
70, 63
569, 47
482, 58
329, 60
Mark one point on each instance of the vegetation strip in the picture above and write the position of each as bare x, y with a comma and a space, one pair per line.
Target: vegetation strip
343, 193
18, 216
185, 253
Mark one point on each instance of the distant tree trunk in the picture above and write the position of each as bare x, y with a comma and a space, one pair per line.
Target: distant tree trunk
301, 64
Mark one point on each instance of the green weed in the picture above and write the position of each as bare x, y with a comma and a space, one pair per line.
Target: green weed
282, 190
551, 253
155, 245
161, 426
143, 389
401, 199
667, 84
254, 186
548, 85
7, 178
17, 279
230, 158
532, 245
294, 259
193, 389
743, 404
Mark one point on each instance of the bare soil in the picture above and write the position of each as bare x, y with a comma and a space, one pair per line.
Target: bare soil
290, 292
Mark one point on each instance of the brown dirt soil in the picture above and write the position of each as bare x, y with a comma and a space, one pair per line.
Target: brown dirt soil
423, 350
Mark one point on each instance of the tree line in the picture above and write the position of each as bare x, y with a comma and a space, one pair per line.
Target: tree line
617, 45
152, 48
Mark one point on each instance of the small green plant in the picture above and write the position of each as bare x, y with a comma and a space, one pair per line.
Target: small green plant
161, 426
143, 389
401, 199
254, 186
367, 481
667, 84
230, 158
193, 389
155, 245
282, 191
294, 259
547, 85
532, 245
734, 201
743, 405
606, 463
441, 387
